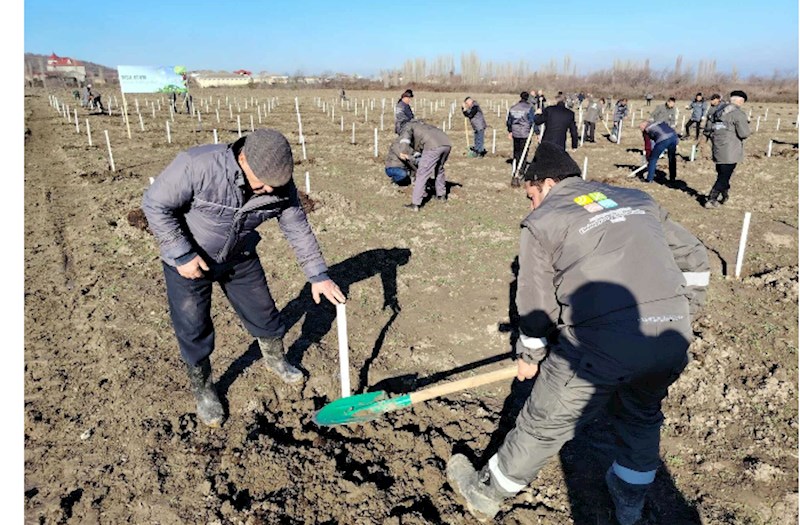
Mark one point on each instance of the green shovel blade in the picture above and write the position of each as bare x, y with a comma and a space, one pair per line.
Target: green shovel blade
359, 409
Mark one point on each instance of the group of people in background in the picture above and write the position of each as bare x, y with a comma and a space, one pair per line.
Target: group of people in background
726, 127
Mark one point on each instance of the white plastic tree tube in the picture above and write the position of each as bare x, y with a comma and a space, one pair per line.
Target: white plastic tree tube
585, 167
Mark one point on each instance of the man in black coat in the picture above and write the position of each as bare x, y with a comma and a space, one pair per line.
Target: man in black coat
557, 120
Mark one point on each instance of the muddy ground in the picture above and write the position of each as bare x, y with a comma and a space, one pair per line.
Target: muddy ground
110, 430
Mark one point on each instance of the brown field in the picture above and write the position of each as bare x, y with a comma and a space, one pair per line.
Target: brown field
110, 430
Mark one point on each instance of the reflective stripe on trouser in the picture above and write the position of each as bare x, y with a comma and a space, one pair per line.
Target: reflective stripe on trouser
430, 163
245, 286
569, 392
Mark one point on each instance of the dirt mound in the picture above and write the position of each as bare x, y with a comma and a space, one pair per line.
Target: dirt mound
783, 281
137, 219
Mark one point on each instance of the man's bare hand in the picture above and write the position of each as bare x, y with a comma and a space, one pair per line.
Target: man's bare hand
193, 269
526, 370
403, 156
330, 290
509, 135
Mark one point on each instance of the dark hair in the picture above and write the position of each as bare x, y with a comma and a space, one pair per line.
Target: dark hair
539, 183
467, 99
524, 95
671, 99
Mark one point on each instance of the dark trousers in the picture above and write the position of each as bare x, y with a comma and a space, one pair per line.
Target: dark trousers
696, 128
588, 131
648, 102
569, 392
519, 145
245, 286
724, 174
671, 145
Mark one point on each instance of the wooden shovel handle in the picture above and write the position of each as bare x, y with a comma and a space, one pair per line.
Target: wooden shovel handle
463, 384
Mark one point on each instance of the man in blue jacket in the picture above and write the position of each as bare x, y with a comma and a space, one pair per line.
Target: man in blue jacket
663, 138
204, 209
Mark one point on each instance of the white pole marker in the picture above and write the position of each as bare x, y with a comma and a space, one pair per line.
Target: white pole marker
742, 244
344, 357
110, 155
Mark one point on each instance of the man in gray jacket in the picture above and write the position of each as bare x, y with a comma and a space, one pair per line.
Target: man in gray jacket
204, 209
593, 111
666, 113
434, 145
698, 109
472, 111
606, 288
402, 110
729, 128
397, 168
518, 122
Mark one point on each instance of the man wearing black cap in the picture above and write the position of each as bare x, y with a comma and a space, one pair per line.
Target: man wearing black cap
606, 287
519, 121
402, 111
713, 105
728, 129
204, 209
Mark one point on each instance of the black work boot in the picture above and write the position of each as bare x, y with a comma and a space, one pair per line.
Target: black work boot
482, 497
628, 498
515, 182
711, 201
272, 350
724, 197
209, 408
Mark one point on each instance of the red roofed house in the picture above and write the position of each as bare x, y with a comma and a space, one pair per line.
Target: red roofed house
66, 67
243, 72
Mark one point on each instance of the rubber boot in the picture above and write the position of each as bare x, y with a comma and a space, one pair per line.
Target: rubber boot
711, 201
272, 350
628, 498
482, 497
209, 408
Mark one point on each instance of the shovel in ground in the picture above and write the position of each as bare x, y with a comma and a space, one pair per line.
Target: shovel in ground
372, 405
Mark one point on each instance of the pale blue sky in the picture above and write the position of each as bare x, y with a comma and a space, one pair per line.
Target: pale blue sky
364, 37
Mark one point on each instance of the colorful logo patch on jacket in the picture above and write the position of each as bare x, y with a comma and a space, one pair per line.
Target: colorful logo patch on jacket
595, 202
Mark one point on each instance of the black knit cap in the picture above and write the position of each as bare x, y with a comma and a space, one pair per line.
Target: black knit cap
551, 162
407, 93
739, 93
269, 155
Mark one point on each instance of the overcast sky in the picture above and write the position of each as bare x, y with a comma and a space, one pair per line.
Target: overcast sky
363, 37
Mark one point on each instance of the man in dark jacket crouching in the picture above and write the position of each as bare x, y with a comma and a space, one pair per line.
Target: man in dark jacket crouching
606, 289
204, 209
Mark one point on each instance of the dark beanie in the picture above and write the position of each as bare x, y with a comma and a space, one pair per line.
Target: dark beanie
269, 156
551, 162
739, 93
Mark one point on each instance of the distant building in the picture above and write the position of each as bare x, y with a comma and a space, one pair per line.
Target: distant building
269, 78
222, 79
65, 67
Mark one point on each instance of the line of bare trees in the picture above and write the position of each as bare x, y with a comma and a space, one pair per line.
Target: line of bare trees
624, 78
